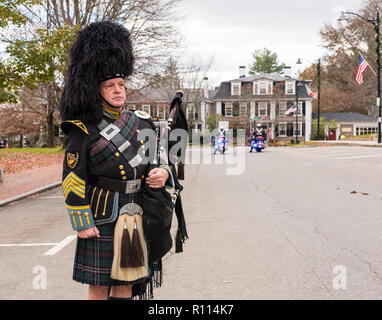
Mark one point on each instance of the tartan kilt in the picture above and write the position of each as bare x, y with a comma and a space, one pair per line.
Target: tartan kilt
94, 258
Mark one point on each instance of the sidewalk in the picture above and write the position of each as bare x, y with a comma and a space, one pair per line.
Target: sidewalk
16, 186
351, 142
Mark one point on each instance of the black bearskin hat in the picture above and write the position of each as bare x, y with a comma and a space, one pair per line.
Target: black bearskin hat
102, 51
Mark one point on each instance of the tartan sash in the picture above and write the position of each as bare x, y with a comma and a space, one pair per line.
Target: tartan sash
103, 150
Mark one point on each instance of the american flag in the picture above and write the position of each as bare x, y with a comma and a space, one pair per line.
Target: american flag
362, 66
291, 110
312, 94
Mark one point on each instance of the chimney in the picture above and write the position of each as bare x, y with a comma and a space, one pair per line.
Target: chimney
288, 71
205, 87
242, 72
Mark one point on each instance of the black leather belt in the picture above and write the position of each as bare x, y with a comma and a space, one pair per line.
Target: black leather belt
129, 186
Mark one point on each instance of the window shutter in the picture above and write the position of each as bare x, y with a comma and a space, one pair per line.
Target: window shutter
256, 88
303, 129
223, 109
269, 88
303, 108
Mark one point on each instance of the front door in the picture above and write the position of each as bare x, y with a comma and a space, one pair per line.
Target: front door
332, 134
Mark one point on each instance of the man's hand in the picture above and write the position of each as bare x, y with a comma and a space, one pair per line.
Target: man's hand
88, 233
157, 178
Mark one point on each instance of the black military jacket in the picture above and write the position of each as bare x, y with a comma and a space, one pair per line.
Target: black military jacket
99, 177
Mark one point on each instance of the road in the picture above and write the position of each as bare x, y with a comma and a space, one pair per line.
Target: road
287, 223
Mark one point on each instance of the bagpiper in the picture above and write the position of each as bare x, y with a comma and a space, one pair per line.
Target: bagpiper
104, 170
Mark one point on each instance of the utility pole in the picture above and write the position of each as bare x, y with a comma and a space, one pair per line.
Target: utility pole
296, 113
378, 51
319, 97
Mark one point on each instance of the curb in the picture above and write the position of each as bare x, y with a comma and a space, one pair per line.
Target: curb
29, 193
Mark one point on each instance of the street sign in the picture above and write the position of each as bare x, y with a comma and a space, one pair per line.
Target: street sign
255, 119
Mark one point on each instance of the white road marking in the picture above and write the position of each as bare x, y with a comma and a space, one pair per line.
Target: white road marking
59, 246
360, 157
27, 244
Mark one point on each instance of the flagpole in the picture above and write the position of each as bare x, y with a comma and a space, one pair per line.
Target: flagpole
296, 114
368, 64
319, 97
378, 21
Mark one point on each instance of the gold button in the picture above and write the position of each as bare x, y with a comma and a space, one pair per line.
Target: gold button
142, 142
79, 213
143, 176
123, 172
117, 154
86, 214
124, 178
138, 131
121, 167
72, 213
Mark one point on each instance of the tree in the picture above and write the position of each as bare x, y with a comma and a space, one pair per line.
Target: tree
264, 61
213, 120
189, 78
339, 90
37, 56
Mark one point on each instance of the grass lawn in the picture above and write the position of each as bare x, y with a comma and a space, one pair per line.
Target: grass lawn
14, 160
56, 150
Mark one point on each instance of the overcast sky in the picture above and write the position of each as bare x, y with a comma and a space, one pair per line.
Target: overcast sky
230, 30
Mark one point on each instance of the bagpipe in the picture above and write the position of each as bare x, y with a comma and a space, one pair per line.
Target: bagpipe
151, 225
158, 204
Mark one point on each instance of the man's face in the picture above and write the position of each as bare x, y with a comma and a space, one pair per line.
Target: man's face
113, 91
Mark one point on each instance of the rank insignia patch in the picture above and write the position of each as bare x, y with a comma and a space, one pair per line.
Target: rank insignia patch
142, 114
72, 159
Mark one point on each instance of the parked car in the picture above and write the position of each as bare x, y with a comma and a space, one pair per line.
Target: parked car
3, 143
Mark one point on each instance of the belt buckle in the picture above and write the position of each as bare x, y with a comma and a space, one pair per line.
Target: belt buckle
132, 186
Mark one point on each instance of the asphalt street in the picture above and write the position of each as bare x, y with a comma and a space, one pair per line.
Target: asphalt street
287, 223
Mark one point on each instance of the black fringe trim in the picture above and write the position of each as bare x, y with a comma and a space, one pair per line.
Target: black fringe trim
145, 290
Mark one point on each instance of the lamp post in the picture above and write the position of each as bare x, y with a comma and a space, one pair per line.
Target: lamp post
296, 112
376, 23
319, 92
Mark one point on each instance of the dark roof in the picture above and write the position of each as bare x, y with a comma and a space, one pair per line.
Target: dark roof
224, 91
345, 116
268, 76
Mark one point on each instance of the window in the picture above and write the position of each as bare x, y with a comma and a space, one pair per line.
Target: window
235, 89
161, 113
364, 130
299, 109
189, 113
289, 88
146, 108
282, 108
243, 109
263, 87
282, 129
262, 109
228, 110
298, 129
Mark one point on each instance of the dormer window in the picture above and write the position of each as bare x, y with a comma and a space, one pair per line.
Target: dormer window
262, 87
235, 89
289, 87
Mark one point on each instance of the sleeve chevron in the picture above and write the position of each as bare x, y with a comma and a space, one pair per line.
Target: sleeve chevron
75, 176
73, 183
